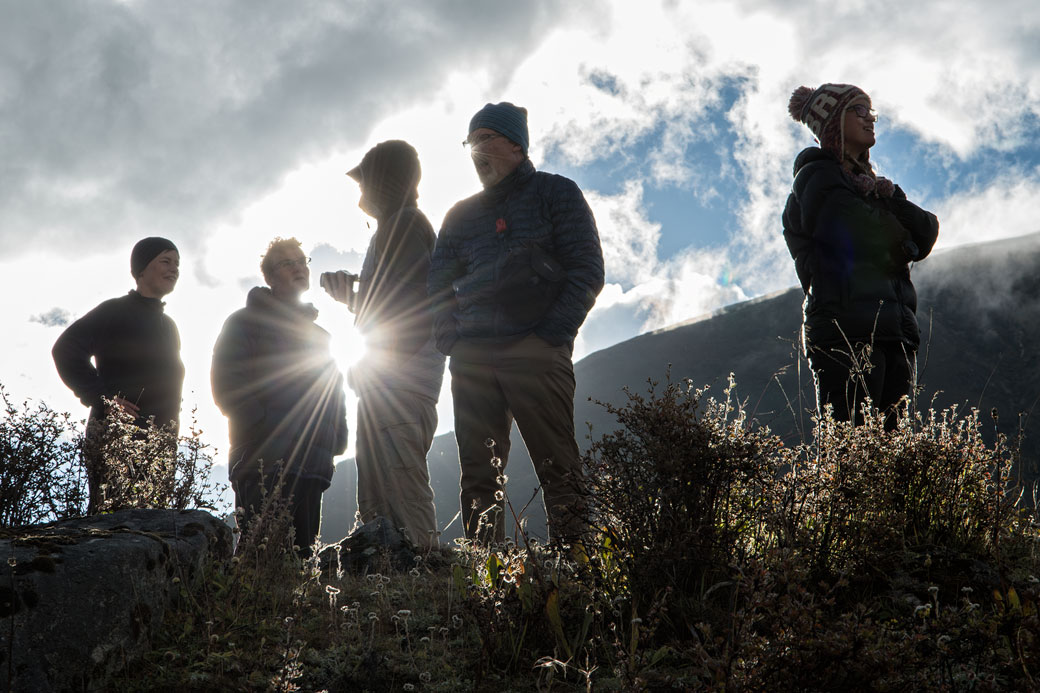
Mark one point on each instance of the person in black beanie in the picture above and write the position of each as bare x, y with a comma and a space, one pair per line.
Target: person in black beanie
135, 349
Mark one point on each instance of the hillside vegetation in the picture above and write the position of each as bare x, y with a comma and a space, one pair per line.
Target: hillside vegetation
718, 558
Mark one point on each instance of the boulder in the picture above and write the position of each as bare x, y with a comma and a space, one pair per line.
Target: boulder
372, 547
82, 597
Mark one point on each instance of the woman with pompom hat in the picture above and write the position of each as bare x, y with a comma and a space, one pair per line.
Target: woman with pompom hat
853, 236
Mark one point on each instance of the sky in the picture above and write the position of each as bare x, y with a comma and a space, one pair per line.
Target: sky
221, 125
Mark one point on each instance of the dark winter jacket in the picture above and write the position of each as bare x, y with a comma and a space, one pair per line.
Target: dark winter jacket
393, 310
852, 253
478, 285
136, 351
275, 380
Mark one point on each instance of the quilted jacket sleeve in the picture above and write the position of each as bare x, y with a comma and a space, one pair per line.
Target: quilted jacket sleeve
578, 250
445, 267
799, 242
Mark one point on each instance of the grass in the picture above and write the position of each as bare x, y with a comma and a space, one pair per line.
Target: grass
716, 559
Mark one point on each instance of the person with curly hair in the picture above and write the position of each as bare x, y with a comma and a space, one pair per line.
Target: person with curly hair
274, 378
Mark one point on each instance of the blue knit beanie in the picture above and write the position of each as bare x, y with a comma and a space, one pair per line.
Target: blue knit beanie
504, 118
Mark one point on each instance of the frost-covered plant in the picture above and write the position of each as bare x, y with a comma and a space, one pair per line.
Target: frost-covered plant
40, 474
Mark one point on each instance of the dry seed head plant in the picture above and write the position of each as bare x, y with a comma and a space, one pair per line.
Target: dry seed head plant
715, 557
151, 467
40, 474
45, 461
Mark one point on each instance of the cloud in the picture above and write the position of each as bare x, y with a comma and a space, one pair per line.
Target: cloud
629, 240
55, 317
645, 292
123, 117
1001, 208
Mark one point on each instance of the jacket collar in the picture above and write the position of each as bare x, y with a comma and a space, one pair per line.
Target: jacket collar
261, 298
151, 303
516, 178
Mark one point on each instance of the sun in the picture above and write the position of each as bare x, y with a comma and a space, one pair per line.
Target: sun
348, 346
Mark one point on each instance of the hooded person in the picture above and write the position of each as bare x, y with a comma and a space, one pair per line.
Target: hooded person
399, 380
274, 377
127, 351
853, 236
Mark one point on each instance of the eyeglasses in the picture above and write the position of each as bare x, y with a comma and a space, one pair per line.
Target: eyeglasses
286, 264
479, 139
863, 112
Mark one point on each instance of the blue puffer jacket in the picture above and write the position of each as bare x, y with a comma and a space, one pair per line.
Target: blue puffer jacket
852, 253
527, 209
275, 380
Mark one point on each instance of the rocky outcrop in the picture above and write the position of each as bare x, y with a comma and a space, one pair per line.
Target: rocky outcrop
81, 598
374, 546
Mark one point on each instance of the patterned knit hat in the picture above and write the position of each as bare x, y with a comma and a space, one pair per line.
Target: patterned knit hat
505, 119
823, 110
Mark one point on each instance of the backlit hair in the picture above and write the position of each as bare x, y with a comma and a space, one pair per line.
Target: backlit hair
279, 243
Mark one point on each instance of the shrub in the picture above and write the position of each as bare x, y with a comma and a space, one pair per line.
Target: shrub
44, 464
40, 475
150, 467
677, 495
860, 497
721, 560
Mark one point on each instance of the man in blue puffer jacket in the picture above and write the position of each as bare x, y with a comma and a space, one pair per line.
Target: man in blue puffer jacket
515, 271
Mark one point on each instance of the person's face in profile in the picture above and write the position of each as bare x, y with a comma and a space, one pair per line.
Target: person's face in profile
160, 275
368, 201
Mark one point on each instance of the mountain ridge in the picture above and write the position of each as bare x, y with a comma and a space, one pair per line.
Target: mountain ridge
979, 310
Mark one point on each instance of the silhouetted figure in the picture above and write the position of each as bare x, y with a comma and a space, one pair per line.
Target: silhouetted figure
853, 235
516, 269
135, 349
399, 380
275, 380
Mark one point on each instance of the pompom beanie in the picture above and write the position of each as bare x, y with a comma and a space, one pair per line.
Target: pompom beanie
823, 109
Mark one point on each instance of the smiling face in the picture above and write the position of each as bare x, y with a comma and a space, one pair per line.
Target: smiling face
859, 129
289, 275
159, 276
494, 155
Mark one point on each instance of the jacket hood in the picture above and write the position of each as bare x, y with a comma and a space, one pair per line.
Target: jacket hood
809, 155
390, 173
261, 298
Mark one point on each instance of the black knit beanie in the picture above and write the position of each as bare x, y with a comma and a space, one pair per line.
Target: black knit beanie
146, 250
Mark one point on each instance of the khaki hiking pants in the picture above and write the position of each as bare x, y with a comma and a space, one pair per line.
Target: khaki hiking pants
395, 431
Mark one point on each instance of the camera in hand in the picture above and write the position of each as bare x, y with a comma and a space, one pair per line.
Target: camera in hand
340, 285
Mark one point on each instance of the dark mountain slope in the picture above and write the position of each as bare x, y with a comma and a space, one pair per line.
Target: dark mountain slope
979, 309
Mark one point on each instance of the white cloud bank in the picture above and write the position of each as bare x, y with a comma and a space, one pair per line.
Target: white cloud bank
223, 124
